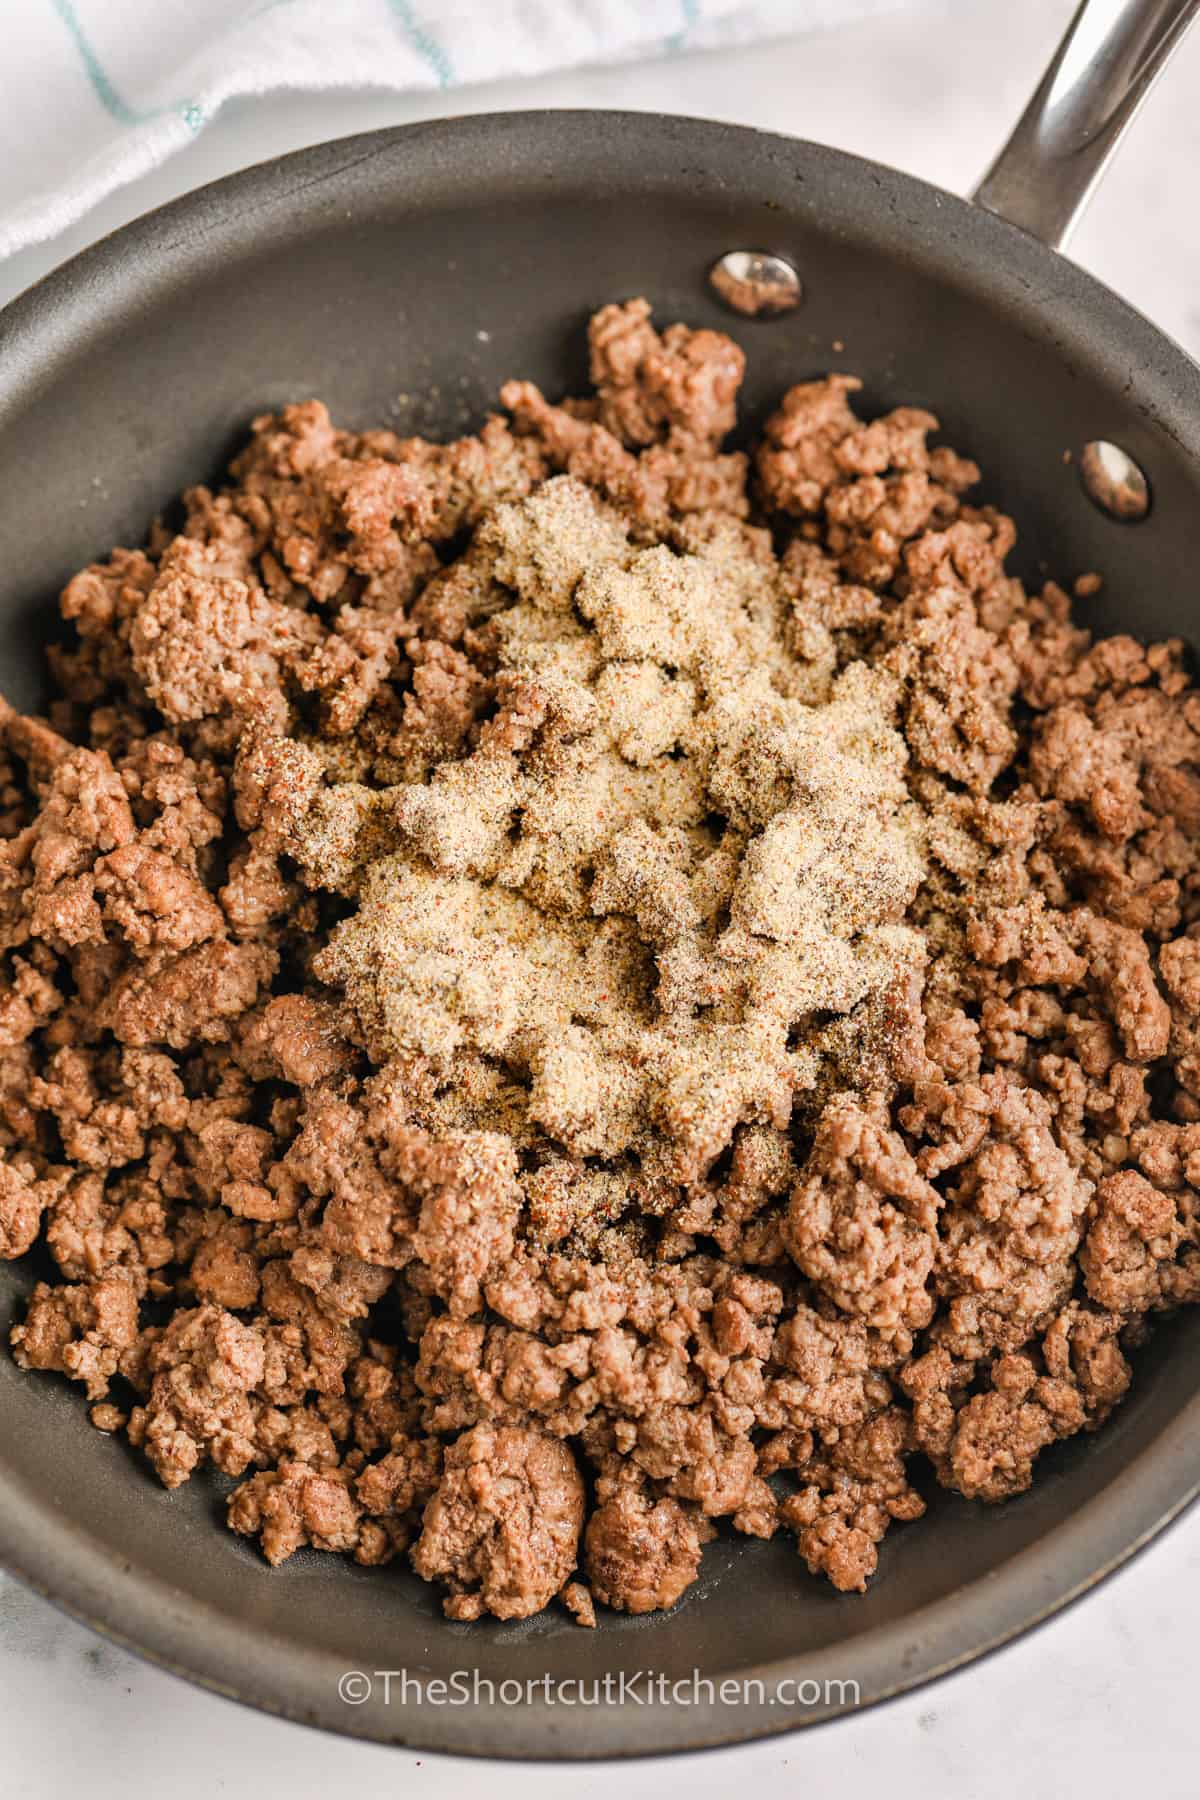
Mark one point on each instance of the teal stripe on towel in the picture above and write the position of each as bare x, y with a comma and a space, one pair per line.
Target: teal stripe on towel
430, 47
103, 88
191, 112
691, 13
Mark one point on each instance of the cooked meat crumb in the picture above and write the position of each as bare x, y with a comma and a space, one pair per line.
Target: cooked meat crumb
502, 1529
573, 986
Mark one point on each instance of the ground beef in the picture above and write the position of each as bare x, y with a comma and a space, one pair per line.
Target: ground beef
641, 1554
600, 1221
502, 1530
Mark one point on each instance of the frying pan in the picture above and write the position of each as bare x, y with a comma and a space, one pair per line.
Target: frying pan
402, 276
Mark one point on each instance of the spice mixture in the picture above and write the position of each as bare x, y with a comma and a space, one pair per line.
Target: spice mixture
574, 985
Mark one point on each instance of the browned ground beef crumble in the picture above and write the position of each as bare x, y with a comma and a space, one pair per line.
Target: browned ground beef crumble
316, 1266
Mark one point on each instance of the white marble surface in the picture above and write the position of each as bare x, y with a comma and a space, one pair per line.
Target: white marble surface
1103, 1697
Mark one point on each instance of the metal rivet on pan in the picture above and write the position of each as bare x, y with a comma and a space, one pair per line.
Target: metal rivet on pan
756, 283
1113, 480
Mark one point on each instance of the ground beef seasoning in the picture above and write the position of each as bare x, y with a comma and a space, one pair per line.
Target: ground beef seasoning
571, 986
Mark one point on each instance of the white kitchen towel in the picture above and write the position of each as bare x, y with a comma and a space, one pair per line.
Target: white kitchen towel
93, 93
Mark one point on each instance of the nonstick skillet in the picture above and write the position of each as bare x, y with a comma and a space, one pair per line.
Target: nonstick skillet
402, 276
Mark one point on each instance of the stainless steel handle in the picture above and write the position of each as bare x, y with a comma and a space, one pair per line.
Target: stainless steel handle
1101, 73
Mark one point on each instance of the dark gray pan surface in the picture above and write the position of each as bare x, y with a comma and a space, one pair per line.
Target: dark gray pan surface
402, 277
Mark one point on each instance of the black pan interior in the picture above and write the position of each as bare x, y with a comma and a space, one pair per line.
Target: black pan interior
402, 277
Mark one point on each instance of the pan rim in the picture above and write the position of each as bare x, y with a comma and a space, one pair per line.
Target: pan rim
56, 1556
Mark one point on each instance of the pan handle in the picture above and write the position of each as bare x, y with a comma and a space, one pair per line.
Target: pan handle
1101, 73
